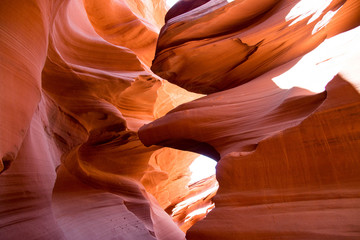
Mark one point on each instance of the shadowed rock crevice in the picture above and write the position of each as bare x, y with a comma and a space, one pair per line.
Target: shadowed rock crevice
203, 126
190, 145
77, 93
6, 161
183, 6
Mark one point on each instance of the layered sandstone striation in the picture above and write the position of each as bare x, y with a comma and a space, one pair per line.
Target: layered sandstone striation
300, 183
281, 119
88, 123
75, 88
244, 40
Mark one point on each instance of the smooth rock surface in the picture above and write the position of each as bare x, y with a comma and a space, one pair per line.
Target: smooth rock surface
244, 40
281, 119
89, 122
75, 88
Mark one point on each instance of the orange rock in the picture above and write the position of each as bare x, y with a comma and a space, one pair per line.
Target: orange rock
83, 90
79, 101
244, 40
300, 183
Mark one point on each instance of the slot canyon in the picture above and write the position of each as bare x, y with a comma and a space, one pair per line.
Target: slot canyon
109, 108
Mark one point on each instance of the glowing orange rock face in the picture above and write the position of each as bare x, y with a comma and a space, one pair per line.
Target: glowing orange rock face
300, 183
76, 87
218, 46
281, 119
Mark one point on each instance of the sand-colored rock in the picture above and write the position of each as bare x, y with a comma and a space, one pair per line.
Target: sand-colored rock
287, 147
244, 40
227, 121
301, 183
83, 90
77, 95
22, 58
27, 186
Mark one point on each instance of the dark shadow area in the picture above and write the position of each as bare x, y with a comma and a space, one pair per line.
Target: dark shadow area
183, 7
192, 146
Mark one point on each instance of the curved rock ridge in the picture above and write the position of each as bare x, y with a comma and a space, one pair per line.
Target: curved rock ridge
131, 24
76, 86
247, 39
301, 183
183, 6
78, 104
227, 121
284, 128
22, 58
237, 119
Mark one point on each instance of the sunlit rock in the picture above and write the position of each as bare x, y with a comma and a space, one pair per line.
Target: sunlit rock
76, 87
92, 133
244, 40
281, 119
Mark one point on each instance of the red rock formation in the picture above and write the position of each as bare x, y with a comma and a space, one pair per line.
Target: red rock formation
76, 87
289, 158
23, 55
300, 183
246, 39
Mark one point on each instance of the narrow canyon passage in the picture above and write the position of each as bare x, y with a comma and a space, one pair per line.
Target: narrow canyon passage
109, 110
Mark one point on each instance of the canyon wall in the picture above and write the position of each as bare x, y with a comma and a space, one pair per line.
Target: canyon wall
281, 116
98, 105
75, 88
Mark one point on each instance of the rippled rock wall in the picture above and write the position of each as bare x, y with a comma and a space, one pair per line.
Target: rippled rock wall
92, 131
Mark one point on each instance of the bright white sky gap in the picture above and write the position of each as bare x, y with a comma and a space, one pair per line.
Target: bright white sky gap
201, 168
171, 3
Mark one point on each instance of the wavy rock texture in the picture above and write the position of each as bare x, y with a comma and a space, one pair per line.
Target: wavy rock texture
301, 183
76, 90
247, 39
76, 86
288, 148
